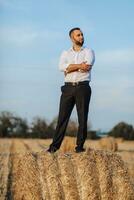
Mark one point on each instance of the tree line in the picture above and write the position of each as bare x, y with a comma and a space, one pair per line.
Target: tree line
12, 126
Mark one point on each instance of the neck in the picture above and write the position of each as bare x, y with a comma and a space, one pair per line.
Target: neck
76, 47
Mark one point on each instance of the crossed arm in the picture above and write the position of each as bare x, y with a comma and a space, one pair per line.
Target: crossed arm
83, 67
67, 68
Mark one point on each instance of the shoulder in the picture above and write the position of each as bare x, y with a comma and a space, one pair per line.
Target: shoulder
89, 52
88, 49
63, 53
66, 53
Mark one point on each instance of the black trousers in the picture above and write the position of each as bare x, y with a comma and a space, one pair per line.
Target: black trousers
78, 95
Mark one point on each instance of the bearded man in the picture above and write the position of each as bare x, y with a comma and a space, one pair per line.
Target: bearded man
76, 64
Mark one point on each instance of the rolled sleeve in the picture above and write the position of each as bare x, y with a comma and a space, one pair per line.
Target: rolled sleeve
90, 57
63, 63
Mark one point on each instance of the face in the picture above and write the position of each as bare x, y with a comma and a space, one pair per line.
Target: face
77, 37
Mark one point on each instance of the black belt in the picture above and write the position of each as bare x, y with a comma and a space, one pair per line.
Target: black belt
77, 83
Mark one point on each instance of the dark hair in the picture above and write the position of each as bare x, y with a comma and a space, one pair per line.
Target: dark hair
73, 29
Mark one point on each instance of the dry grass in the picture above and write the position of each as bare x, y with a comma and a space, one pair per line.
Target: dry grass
119, 140
5, 146
91, 175
25, 178
68, 144
128, 158
108, 143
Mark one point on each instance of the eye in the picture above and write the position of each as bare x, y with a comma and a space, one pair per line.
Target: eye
80, 34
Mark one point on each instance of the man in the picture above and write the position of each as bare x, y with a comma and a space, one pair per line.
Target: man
76, 63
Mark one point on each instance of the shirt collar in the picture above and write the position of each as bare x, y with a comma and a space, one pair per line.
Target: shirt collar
71, 49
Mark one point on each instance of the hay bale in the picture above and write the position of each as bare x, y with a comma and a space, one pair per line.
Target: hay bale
50, 176
102, 175
68, 144
119, 140
5, 146
68, 177
91, 175
86, 175
108, 143
25, 178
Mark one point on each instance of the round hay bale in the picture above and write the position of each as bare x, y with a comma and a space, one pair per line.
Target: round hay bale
91, 175
119, 140
108, 143
68, 144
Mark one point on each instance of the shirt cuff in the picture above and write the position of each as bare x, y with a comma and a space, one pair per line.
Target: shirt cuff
63, 67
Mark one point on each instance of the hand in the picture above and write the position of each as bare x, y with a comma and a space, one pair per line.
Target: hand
84, 67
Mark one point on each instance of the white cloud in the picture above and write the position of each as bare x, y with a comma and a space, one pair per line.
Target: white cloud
113, 79
23, 36
17, 36
117, 56
11, 102
5, 3
114, 68
14, 4
117, 99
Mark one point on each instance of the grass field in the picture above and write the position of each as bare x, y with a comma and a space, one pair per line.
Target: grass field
27, 172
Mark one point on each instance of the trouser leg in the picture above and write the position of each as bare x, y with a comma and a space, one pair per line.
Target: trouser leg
83, 96
67, 102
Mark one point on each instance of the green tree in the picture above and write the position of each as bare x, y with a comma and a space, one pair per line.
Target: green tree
123, 130
12, 126
5, 123
20, 128
39, 128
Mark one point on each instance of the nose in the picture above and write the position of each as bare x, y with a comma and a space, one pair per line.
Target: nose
81, 37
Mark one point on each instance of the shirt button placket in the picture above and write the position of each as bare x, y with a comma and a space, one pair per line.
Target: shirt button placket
76, 62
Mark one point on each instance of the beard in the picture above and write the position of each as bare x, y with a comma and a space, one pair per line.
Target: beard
79, 43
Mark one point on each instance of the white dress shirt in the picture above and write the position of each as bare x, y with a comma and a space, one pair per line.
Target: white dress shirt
76, 57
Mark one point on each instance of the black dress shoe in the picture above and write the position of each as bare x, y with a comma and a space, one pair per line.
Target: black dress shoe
79, 150
51, 150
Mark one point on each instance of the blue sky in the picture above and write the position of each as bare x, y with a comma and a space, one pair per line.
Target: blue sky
32, 36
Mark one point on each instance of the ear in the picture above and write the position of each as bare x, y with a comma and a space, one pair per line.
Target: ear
72, 37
